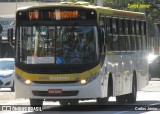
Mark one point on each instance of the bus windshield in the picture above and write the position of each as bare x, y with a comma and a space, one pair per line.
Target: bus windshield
58, 44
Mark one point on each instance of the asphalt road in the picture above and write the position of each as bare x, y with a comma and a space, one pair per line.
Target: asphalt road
148, 102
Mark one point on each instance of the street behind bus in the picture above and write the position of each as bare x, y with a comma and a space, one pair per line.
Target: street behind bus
147, 101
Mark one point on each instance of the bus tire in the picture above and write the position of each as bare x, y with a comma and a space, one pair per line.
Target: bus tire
12, 88
36, 103
131, 98
68, 102
110, 86
121, 99
73, 102
102, 101
64, 102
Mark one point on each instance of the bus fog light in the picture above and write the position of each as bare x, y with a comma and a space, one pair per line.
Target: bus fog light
83, 82
27, 82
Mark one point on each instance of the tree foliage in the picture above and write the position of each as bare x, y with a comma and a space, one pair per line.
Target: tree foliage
152, 13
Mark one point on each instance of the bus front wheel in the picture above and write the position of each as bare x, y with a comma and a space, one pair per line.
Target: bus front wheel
102, 101
121, 99
68, 102
36, 102
12, 88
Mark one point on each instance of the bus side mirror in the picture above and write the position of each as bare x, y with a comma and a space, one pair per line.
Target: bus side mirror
10, 35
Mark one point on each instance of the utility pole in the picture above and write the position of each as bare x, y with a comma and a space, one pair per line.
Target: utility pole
157, 27
99, 2
16, 4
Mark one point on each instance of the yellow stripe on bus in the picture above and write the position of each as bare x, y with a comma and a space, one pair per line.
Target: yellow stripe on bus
57, 77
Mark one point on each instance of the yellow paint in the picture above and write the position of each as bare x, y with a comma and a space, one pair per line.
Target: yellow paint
57, 77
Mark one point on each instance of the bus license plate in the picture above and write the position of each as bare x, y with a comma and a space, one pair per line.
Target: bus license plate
53, 91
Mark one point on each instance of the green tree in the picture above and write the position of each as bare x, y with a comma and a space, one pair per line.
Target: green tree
152, 13
122, 4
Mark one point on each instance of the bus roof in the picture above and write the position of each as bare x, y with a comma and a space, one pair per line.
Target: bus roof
99, 9
120, 13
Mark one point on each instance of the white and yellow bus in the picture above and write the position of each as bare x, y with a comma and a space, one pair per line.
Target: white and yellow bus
72, 52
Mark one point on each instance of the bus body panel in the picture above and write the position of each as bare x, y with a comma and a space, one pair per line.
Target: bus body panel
119, 64
89, 91
122, 67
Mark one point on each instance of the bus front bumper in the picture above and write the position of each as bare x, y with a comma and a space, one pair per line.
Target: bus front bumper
58, 91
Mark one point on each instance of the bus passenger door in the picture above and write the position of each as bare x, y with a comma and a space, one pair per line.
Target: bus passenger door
104, 78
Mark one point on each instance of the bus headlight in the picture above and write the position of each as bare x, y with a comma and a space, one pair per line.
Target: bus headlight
83, 81
89, 79
21, 79
28, 82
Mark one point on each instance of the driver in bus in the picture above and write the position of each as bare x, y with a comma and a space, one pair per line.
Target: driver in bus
85, 47
71, 54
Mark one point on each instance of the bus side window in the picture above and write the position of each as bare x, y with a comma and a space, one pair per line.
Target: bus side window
133, 27
126, 31
144, 43
125, 35
102, 27
109, 40
115, 43
116, 40
121, 33
102, 22
138, 36
137, 27
121, 26
142, 28
108, 25
114, 26
128, 45
132, 35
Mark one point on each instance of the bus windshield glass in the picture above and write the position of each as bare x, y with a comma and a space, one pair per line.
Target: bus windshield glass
58, 44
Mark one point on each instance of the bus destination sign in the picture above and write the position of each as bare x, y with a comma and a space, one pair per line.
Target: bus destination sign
56, 14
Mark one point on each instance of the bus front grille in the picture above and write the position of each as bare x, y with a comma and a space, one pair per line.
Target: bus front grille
64, 93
